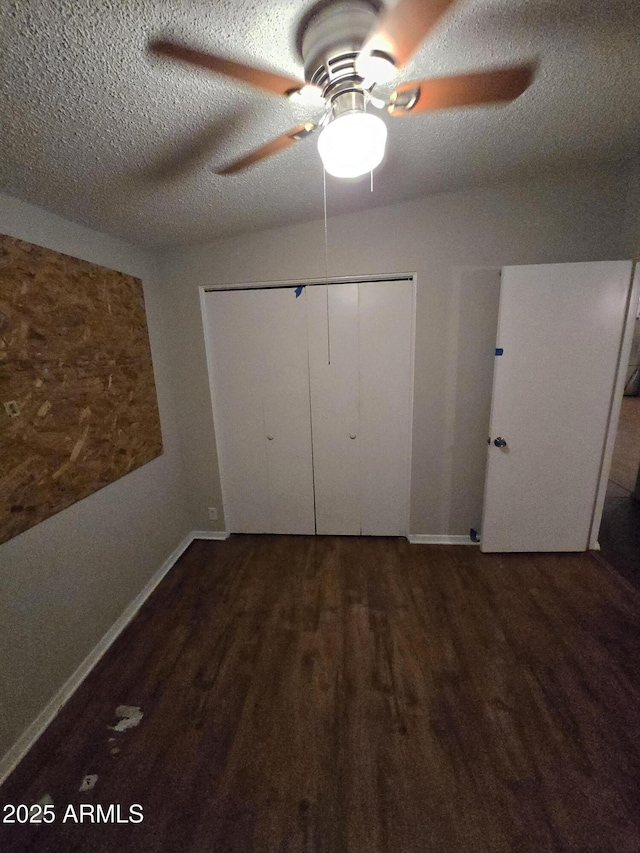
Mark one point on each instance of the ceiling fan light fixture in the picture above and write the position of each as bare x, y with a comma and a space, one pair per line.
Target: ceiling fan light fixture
352, 144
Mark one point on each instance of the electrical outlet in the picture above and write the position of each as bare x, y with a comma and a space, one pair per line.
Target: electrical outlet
213, 513
11, 408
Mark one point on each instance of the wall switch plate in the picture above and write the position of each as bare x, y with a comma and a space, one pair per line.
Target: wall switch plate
213, 513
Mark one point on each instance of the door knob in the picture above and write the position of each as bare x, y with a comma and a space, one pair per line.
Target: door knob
500, 441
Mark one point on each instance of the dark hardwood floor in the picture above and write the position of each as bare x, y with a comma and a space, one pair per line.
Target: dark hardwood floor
340, 695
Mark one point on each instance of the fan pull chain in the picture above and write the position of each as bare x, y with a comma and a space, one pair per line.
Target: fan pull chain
326, 262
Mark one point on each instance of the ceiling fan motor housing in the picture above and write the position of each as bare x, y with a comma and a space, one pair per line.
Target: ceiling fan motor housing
330, 40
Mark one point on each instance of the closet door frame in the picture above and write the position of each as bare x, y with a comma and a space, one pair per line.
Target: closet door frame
310, 282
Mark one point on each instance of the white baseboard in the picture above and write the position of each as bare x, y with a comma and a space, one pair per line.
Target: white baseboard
210, 534
24, 743
436, 539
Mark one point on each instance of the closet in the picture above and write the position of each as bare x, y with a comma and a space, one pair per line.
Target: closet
311, 392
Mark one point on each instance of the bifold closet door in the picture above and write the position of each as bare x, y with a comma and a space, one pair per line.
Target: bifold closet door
360, 351
333, 372
386, 377
259, 366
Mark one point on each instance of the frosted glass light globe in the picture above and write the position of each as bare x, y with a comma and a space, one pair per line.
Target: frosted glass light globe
352, 144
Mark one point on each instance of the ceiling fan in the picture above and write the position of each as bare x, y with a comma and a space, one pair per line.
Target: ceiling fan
348, 47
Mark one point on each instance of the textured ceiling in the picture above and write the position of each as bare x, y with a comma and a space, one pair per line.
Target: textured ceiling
95, 130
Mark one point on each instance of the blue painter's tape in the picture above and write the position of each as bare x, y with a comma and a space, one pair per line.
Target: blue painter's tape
299, 290
499, 351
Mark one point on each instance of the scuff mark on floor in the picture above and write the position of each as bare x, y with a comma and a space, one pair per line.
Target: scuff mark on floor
130, 716
88, 783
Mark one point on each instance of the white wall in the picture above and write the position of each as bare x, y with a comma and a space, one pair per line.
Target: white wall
65, 582
455, 243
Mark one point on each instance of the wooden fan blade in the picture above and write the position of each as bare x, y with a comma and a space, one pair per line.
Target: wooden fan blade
463, 90
278, 144
404, 27
267, 80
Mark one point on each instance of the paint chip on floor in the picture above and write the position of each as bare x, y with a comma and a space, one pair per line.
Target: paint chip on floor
37, 817
129, 715
89, 782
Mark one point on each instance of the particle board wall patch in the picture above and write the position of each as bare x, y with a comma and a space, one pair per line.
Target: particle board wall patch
78, 407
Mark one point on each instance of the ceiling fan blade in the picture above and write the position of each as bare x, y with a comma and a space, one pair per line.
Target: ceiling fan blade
277, 84
403, 28
278, 144
463, 90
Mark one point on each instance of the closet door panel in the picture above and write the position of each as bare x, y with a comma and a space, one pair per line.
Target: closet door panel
287, 411
235, 322
258, 344
333, 365
386, 322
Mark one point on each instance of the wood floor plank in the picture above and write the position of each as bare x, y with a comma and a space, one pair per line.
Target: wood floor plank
307, 694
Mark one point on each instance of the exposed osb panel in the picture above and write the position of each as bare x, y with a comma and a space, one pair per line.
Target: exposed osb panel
84, 105
78, 406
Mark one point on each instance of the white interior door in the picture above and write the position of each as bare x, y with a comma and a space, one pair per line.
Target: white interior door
260, 388
560, 329
360, 359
